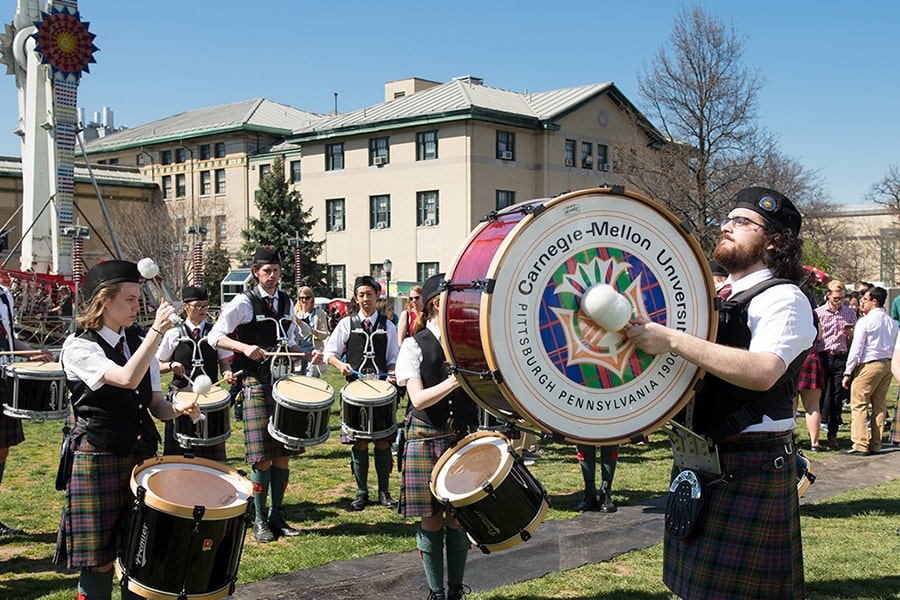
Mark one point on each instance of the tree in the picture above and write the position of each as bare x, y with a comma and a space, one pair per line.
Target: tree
215, 267
281, 219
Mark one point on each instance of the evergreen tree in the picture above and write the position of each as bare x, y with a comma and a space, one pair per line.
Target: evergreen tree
281, 219
215, 268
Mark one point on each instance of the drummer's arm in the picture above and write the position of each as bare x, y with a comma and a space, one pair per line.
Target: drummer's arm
41, 353
422, 397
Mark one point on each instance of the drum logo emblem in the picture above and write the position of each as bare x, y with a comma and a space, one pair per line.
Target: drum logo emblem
140, 557
492, 530
54, 394
586, 342
207, 544
310, 424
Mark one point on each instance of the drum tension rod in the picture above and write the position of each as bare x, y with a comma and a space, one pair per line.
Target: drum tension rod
478, 284
495, 375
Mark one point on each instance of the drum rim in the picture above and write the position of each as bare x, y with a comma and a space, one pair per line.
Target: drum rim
295, 441
519, 410
389, 388
302, 405
149, 593
23, 365
215, 404
187, 512
329, 389
516, 539
506, 464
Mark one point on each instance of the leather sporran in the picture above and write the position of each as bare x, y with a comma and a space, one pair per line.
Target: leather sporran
685, 505
66, 457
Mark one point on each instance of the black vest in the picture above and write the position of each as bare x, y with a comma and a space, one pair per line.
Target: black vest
115, 416
433, 370
722, 408
261, 333
184, 354
356, 345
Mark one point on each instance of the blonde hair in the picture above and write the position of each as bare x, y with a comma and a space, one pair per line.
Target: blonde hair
422, 317
836, 285
91, 318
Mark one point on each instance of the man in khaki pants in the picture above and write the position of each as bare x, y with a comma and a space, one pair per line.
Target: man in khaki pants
868, 372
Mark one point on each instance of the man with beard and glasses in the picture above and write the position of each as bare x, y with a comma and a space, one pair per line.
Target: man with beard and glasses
746, 543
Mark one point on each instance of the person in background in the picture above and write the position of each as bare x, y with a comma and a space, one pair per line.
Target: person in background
587, 458
719, 274
384, 307
11, 430
442, 413
894, 437
312, 323
836, 323
895, 310
112, 374
809, 390
414, 306
852, 301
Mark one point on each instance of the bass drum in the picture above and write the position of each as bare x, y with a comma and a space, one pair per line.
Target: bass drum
523, 347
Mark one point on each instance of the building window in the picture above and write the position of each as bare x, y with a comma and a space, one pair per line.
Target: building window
505, 198
427, 208
376, 270
220, 149
506, 145
427, 145
179, 155
220, 181
264, 170
180, 189
379, 212
334, 215
295, 171
587, 155
570, 153
205, 183
167, 187
334, 157
379, 151
424, 270
602, 157
221, 228
165, 157
337, 279
205, 152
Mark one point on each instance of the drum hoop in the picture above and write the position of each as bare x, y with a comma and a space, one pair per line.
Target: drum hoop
295, 443
369, 403
389, 389
149, 593
325, 388
210, 406
516, 539
499, 476
242, 486
21, 371
302, 405
486, 299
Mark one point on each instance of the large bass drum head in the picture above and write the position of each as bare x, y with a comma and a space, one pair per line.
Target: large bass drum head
553, 363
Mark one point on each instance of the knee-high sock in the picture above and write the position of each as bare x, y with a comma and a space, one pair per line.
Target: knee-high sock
609, 456
2, 468
95, 586
587, 458
279, 485
383, 463
457, 552
431, 549
360, 461
260, 481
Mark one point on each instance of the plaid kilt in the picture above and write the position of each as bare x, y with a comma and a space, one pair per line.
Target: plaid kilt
259, 405
749, 544
97, 500
11, 431
812, 374
894, 437
419, 457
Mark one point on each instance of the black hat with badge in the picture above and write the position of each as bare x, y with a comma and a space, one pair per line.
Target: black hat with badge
266, 255
192, 294
107, 273
774, 206
432, 287
366, 280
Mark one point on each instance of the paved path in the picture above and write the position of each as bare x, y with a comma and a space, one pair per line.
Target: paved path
557, 545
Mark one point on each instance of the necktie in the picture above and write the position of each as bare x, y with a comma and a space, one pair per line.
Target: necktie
367, 325
270, 302
196, 333
724, 292
120, 346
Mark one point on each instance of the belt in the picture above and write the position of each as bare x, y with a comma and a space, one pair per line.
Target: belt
833, 353
739, 445
877, 361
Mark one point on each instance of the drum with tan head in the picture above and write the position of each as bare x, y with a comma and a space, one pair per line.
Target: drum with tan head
35, 390
302, 407
368, 409
214, 429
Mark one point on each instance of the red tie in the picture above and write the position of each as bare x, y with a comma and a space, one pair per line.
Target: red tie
367, 325
270, 301
196, 333
724, 292
120, 346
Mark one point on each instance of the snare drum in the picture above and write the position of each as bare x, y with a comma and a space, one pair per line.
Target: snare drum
521, 342
185, 532
302, 407
493, 495
214, 429
368, 409
805, 475
35, 390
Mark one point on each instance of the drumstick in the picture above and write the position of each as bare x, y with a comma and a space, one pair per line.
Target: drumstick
221, 381
362, 378
149, 270
606, 307
299, 354
9, 352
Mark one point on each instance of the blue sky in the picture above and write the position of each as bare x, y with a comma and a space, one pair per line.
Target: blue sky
830, 68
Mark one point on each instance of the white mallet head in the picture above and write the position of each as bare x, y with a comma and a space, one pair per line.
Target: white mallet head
148, 268
606, 307
202, 385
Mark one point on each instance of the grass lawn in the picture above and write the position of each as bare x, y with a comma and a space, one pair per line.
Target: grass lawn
851, 542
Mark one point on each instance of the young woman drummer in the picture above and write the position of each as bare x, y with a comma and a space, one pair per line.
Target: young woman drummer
113, 377
441, 414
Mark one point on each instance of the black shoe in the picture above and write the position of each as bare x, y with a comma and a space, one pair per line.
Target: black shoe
7, 530
855, 452
607, 505
238, 412
384, 499
589, 502
816, 448
362, 499
458, 592
433, 595
279, 526
262, 533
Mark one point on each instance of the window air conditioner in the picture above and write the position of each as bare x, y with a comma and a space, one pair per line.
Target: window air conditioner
603, 166
506, 155
587, 161
428, 223
380, 225
570, 162
337, 227
380, 160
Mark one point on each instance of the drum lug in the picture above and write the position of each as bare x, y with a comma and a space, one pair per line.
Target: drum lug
199, 511
139, 495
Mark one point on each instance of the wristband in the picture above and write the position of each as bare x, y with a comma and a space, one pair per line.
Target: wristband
156, 330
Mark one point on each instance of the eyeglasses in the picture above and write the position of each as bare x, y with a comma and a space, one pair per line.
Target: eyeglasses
740, 222
305, 297
199, 306
415, 297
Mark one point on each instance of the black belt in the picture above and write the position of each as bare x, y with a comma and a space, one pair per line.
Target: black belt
833, 353
739, 445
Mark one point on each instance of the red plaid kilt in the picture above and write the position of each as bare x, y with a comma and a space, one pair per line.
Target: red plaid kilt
749, 545
812, 374
419, 457
259, 405
97, 499
11, 432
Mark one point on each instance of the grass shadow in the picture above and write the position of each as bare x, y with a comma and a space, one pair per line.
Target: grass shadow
838, 510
